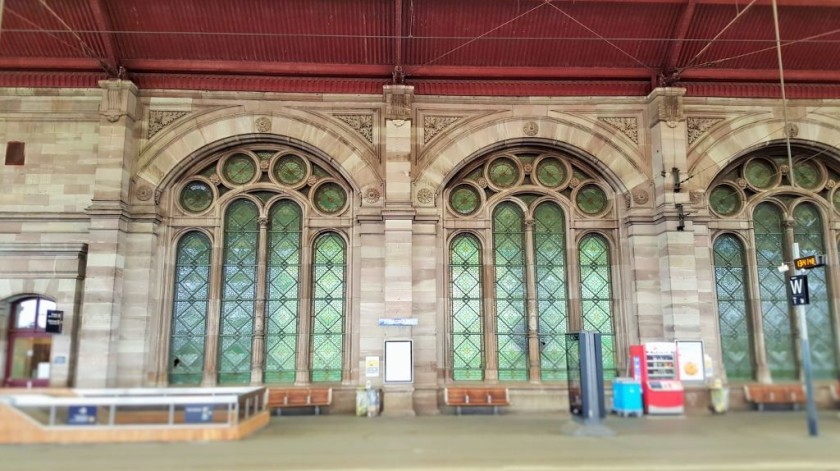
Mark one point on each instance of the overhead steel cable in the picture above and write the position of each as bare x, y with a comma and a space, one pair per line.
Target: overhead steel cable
712, 41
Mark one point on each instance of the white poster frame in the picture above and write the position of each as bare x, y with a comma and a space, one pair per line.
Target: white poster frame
691, 351
399, 361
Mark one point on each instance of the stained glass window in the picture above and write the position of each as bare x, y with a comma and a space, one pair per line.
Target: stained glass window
596, 295
189, 309
808, 232
466, 299
328, 286
733, 317
552, 302
282, 292
509, 260
239, 278
775, 315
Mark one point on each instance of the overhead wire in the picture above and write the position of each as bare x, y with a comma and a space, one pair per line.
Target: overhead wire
84, 46
725, 28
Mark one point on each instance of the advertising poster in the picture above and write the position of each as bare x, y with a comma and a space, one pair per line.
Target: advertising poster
399, 365
371, 367
691, 360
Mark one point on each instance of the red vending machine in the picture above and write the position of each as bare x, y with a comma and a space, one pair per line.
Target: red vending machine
654, 364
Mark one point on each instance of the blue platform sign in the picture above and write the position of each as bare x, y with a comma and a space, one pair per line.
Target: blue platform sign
81, 415
198, 413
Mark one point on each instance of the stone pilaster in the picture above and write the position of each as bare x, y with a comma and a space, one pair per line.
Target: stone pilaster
673, 231
99, 332
398, 217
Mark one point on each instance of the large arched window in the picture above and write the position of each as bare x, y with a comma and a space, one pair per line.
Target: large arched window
237, 315
758, 191
522, 200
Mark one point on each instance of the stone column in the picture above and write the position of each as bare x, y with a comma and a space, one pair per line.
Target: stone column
672, 232
398, 217
258, 343
102, 299
534, 363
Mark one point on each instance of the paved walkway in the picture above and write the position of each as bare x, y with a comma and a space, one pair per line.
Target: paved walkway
737, 441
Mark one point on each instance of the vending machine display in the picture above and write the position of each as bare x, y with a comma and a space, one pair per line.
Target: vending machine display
654, 364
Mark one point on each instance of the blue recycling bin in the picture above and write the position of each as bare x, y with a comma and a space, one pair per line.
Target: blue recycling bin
627, 397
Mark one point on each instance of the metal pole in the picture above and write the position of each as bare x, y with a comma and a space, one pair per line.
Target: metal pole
806, 357
784, 97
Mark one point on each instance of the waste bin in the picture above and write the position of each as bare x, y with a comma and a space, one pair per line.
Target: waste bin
627, 397
368, 401
720, 397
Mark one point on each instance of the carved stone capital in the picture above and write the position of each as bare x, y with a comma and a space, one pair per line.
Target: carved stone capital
398, 101
666, 104
119, 98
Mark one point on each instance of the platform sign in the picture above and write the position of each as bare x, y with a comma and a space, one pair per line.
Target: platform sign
198, 413
55, 321
799, 290
81, 415
812, 261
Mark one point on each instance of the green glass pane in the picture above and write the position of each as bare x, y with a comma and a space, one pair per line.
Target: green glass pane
189, 309
330, 197
465, 298
591, 199
808, 232
775, 314
511, 317
760, 173
733, 317
290, 169
807, 174
329, 266
551, 172
464, 199
238, 300
282, 292
596, 293
503, 172
196, 196
725, 200
552, 299
239, 169
836, 199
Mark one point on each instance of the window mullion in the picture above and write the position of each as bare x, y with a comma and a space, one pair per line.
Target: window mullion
258, 345
531, 303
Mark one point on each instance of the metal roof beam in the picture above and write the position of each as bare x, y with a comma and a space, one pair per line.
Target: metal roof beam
103, 24
673, 55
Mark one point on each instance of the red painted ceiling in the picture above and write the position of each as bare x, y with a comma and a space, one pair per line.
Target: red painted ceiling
464, 47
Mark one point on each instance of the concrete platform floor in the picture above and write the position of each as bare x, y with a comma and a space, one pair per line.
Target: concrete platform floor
736, 441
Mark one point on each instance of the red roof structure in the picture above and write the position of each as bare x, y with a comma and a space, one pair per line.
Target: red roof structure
442, 47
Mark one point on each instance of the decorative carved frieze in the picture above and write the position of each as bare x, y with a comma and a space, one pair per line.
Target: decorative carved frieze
696, 197
361, 123
696, 127
161, 119
629, 126
433, 125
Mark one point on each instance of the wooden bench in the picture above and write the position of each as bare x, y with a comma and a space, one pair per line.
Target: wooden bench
280, 398
785, 394
459, 397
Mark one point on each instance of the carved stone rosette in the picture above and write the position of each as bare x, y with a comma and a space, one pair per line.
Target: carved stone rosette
696, 127
144, 193
361, 123
433, 125
629, 126
531, 128
372, 196
262, 124
160, 119
640, 196
425, 196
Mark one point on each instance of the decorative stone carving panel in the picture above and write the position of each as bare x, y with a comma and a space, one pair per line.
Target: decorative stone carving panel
696, 127
160, 119
433, 125
629, 126
361, 123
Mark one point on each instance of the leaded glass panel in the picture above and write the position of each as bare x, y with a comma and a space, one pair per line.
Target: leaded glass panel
596, 295
503, 172
552, 302
328, 285
761, 173
330, 197
282, 292
725, 200
591, 199
465, 296
733, 317
238, 303
808, 232
775, 314
189, 309
509, 260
